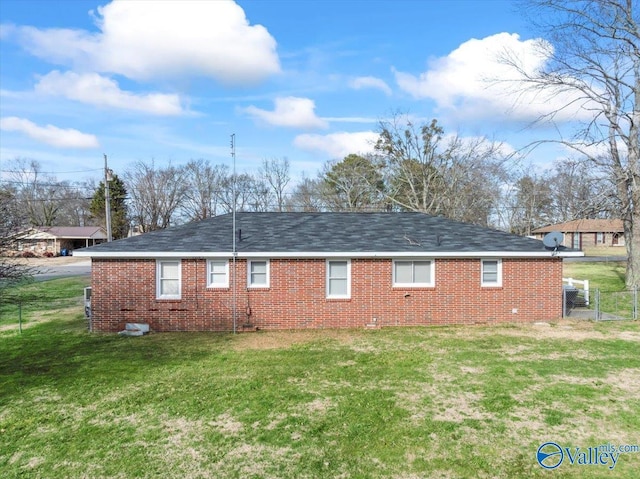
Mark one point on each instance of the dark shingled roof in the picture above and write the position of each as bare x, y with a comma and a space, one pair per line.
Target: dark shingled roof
291, 233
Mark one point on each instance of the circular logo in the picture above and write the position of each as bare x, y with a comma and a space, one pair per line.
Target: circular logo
550, 455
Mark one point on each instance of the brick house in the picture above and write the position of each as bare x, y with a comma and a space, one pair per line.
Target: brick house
323, 270
585, 233
43, 240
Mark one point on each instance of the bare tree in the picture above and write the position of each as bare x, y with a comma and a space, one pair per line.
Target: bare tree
45, 200
533, 204
204, 185
38, 194
423, 172
12, 219
250, 195
306, 196
353, 184
593, 51
275, 173
156, 194
577, 192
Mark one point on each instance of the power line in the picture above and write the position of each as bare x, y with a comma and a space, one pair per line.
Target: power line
50, 172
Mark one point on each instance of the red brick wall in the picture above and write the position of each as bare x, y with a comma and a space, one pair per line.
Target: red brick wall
125, 291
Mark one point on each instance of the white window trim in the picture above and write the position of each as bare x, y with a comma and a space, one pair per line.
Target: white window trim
338, 296
159, 294
432, 274
268, 273
498, 283
226, 271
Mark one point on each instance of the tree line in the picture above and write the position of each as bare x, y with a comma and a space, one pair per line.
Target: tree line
412, 168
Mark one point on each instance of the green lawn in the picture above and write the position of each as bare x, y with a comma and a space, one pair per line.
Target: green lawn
394, 403
608, 276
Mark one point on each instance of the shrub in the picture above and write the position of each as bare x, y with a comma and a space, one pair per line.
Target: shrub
28, 254
48, 254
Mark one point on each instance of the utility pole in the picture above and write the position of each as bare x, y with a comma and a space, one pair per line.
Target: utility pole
107, 198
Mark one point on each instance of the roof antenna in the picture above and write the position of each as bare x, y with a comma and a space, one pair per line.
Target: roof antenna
233, 232
553, 241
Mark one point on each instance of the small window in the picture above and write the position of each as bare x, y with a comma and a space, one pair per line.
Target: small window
599, 237
413, 273
218, 273
338, 279
491, 272
258, 274
168, 279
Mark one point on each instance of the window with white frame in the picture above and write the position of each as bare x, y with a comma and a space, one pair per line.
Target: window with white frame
168, 279
413, 273
218, 273
491, 272
339, 278
258, 274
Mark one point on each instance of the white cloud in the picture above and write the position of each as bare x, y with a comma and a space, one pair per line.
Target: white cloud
337, 145
290, 112
160, 39
94, 89
475, 81
49, 134
370, 82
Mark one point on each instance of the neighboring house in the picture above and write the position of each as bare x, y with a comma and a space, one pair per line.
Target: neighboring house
54, 239
323, 270
586, 233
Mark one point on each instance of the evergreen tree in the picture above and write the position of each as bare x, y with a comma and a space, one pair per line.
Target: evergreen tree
119, 210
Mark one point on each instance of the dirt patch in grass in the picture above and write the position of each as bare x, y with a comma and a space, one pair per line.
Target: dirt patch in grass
287, 339
227, 425
627, 380
268, 462
358, 340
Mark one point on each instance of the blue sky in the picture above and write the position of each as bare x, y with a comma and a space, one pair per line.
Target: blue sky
168, 80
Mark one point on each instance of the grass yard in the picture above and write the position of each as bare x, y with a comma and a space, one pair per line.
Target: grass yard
606, 276
454, 402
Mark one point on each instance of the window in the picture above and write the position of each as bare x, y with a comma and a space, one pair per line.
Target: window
338, 279
168, 279
413, 273
491, 272
615, 239
258, 274
218, 273
599, 237
575, 244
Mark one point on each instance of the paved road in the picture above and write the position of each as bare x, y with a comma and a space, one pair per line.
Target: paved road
594, 259
81, 268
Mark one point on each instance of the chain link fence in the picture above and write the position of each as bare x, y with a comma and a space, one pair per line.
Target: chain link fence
21, 311
600, 305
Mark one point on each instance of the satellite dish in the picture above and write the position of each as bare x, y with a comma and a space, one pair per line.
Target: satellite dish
553, 240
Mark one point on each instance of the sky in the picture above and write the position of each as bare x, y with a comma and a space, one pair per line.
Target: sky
171, 80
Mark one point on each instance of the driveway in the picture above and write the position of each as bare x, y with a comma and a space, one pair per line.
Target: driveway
60, 267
